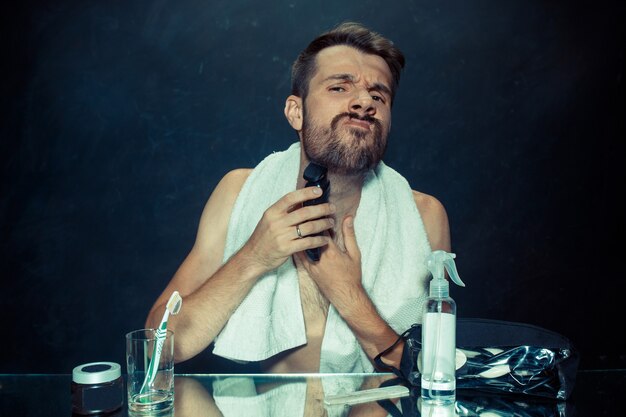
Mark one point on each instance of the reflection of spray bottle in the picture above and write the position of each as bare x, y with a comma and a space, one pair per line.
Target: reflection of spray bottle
439, 331
431, 409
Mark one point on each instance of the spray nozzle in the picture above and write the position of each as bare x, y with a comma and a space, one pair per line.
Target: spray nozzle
437, 262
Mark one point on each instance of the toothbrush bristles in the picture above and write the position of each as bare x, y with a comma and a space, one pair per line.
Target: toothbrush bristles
175, 303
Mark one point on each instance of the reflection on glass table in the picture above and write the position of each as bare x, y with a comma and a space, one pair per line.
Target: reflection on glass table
596, 393
305, 396
273, 395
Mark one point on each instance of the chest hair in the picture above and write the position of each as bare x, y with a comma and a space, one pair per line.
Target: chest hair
313, 301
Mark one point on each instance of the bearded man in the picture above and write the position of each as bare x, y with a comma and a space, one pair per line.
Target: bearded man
248, 287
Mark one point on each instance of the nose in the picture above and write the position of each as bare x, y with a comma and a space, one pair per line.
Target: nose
362, 103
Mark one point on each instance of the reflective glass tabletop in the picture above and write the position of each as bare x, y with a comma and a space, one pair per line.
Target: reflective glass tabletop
596, 393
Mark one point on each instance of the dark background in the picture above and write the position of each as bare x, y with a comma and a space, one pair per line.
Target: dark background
120, 117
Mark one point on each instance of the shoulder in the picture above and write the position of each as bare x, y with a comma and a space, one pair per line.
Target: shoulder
435, 219
226, 192
428, 205
233, 181
216, 213
228, 189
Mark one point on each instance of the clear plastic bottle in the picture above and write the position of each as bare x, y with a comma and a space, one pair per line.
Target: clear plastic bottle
438, 382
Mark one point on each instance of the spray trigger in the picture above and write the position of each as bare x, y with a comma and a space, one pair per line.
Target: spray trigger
437, 263
450, 266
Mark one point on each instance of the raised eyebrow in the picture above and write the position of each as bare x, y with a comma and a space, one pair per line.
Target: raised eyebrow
351, 78
341, 77
382, 88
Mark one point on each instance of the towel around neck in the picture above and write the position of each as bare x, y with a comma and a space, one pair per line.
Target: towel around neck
393, 244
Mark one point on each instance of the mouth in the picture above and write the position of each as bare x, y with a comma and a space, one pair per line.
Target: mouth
361, 123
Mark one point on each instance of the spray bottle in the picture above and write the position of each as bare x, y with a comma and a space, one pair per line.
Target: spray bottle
439, 332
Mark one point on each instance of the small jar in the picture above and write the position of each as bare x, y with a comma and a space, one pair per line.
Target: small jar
97, 388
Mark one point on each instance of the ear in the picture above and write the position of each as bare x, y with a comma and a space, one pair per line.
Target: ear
293, 112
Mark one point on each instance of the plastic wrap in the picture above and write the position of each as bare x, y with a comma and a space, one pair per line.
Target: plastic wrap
498, 357
471, 406
546, 370
531, 370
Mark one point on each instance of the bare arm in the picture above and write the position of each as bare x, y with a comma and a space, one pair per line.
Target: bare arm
211, 291
338, 275
197, 324
435, 221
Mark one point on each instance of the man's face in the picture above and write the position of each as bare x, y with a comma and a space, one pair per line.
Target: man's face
347, 113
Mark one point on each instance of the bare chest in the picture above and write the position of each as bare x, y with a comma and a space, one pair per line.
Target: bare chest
305, 358
313, 302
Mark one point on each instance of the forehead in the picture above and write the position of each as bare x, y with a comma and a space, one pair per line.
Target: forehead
342, 59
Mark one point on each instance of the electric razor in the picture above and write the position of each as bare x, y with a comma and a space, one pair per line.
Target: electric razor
315, 175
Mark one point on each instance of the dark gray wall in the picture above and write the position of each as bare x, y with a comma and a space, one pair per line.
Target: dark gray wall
119, 118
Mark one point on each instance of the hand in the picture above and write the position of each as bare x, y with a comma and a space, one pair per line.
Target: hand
338, 271
275, 237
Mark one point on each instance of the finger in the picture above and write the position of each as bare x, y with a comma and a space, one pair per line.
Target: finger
308, 213
295, 198
349, 237
310, 242
315, 226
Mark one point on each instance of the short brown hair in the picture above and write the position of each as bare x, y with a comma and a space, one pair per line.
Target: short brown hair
349, 34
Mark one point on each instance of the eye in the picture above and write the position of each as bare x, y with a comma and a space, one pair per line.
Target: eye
376, 97
337, 88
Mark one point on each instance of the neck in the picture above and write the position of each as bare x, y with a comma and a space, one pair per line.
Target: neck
345, 192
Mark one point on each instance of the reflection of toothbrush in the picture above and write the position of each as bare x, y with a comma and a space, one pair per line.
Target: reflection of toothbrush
368, 395
172, 307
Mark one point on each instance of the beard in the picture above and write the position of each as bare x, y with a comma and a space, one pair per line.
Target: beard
351, 152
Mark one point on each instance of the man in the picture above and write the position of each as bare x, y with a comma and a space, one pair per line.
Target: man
248, 286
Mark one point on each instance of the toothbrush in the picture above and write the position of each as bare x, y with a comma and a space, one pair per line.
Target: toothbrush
173, 307
368, 395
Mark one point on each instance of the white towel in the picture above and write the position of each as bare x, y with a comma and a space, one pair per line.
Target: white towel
239, 397
393, 244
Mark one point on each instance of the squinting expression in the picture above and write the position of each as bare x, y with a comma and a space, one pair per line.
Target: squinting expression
347, 113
